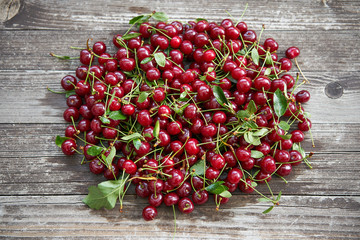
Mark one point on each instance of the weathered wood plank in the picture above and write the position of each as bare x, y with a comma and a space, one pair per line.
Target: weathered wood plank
298, 217
332, 174
279, 15
28, 101
29, 50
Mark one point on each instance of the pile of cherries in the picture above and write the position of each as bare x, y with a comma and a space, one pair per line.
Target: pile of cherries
154, 100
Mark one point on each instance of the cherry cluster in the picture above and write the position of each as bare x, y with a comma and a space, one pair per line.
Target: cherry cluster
186, 110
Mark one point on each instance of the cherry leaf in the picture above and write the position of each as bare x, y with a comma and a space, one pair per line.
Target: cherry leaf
117, 115
142, 97
160, 59
251, 108
160, 16
297, 147
131, 136
156, 130
280, 103
104, 120
137, 143
60, 140
198, 168
94, 150
109, 159
267, 71
146, 60
242, 114
131, 36
268, 210
69, 93
261, 132
219, 95
136, 19
217, 188
256, 154
284, 125
225, 194
255, 56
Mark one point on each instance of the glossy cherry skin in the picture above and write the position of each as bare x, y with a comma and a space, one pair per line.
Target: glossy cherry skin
303, 96
200, 197
68, 147
171, 199
292, 52
185, 205
149, 213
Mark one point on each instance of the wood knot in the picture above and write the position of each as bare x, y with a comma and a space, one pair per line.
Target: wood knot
9, 9
334, 90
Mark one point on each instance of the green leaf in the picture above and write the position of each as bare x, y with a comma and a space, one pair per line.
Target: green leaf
105, 194
286, 137
148, 135
261, 132
198, 168
219, 95
268, 210
60, 140
250, 138
131, 36
225, 194
284, 125
146, 60
280, 103
254, 184
251, 108
136, 19
131, 136
94, 150
268, 59
267, 71
160, 16
104, 120
243, 114
69, 93
297, 147
279, 196
242, 52
117, 115
255, 56
156, 130
249, 124
232, 79
216, 188
137, 143
142, 97
96, 199
264, 200
160, 59
109, 159
256, 154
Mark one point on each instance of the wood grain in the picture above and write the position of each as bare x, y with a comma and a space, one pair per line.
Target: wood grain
109, 15
41, 189
298, 217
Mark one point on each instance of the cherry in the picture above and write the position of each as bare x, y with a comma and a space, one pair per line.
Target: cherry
68, 82
144, 118
127, 64
242, 154
208, 130
174, 128
185, 205
184, 190
176, 178
74, 101
230, 159
262, 177
303, 96
200, 197
297, 136
292, 52
243, 85
219, 117
128, 109
282, 156
156, 186
155, 199
71, 113
112, 172
295, 157
305, 125
191, 147
271, 45
234, 175
249, 36
99, 48
267, 165
149, 213
211, 173
68, 147
96, 166
284, 170
129, 167
246, 186
217, 161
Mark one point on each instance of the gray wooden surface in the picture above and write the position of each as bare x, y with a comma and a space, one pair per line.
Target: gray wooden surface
41, 190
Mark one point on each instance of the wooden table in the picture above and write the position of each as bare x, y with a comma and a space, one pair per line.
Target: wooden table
41, 189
